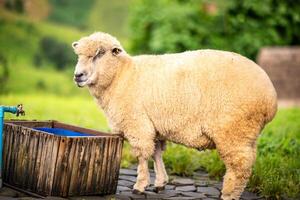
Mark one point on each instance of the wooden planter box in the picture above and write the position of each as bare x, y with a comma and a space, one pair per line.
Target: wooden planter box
49, 164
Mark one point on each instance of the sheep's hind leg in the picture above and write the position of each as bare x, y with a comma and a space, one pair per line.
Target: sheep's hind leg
238, 164
161, 176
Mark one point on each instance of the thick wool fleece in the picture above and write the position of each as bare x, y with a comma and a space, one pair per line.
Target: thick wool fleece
201, 99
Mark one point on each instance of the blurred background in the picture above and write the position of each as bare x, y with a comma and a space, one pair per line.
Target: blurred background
37, 63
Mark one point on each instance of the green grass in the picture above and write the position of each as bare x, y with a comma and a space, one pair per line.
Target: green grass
277, 169
276, 172
82, 111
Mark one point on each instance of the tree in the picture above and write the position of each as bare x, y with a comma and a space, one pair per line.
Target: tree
4, 73
242, 26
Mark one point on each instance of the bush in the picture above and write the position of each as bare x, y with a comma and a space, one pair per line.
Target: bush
15, 5
4, 73
242, 26
60, 54
252, 24
74, 13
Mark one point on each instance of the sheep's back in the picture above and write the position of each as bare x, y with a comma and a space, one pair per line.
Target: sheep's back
208, 87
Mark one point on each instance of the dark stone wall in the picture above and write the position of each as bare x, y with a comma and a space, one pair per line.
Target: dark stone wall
282, 64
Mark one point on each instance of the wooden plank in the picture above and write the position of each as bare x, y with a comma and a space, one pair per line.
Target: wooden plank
5, 146
81, 164
84, 130
119, 149
25, 159
58, 169
24, 191
91, 166
74, 172
36, 164
42, 166
113, 163
52, 165
111, 160
29, 124
104, 166
18, 152
109, 166
70, 160
85, 168
34, 139
8, 142
82, 151
13, 155
39, 162
100, 174
47, 164
64, 167
96, 165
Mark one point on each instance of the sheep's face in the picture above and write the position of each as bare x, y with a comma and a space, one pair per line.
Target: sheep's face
99, 56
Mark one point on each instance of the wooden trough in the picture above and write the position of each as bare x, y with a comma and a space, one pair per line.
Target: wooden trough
56, 165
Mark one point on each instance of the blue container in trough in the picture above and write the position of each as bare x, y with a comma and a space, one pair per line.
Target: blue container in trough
57, 159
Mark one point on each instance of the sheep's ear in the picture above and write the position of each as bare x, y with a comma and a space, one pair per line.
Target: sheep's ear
74, 44
116, 51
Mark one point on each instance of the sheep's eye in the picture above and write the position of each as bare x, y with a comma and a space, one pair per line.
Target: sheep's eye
116, 51
99, 54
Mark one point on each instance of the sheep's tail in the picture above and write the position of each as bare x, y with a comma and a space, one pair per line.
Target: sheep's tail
271, 107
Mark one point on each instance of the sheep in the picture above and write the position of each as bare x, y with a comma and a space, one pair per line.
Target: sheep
202, 99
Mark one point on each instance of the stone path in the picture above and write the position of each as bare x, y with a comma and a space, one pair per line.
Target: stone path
179, 188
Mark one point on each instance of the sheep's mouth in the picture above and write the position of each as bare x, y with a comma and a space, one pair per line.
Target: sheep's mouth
80, 83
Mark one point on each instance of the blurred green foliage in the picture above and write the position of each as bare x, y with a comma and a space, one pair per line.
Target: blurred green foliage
92, 15
240, 26
20, 41
14, 5
110, 16
71, 12
56, 52
4, 73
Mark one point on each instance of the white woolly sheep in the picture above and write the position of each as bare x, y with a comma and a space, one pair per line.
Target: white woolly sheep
201, 99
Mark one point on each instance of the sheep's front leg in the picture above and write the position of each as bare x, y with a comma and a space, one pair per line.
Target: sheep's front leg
161, 176
143, 178
143, 147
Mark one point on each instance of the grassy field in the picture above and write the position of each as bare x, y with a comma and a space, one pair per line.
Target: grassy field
276, 172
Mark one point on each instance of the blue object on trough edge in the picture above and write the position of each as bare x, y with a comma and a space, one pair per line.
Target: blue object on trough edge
14, 110
63, 132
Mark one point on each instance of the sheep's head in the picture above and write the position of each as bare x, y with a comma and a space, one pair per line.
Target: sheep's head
99, 57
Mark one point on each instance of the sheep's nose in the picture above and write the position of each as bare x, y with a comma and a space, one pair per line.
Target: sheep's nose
78, 75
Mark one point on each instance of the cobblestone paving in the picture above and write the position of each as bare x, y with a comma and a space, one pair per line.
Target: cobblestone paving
179, 188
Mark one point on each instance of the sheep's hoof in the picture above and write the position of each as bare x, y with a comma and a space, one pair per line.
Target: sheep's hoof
135, 191
158, 189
